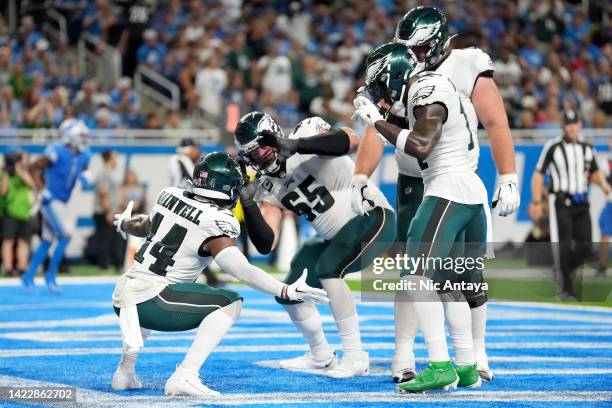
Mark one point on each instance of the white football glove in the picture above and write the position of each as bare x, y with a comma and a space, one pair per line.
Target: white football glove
365, 111
119, 218
507, 195
300, 290
361, 199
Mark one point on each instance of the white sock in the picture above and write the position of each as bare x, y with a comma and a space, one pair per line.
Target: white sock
431, 320
460, 328
209, 334
405, 330
479, 328
307, 320
128, 359
345, 314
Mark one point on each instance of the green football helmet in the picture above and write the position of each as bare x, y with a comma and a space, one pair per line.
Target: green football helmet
388, 69
424, 30
249, 132
218, 176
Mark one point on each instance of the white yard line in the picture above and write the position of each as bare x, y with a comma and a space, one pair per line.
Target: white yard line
11, 353
379, 371
115, 335
87, 397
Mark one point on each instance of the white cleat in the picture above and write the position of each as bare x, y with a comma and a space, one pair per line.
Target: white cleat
125, 379
353, 364
309, 362
185, 382
402, 370
482, 365
485, 373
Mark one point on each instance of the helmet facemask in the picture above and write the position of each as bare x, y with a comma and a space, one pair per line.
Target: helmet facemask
387, 76
263, 159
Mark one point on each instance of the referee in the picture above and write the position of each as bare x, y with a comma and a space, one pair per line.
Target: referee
571, 165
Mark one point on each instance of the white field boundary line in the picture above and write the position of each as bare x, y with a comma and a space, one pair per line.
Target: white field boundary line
10, 353
331, 328
250, 315
87, 397
106, 335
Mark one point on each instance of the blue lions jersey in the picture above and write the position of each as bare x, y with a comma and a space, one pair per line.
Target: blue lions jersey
65, 168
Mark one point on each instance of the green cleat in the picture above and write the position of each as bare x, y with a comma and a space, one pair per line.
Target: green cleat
469, 376
438, 375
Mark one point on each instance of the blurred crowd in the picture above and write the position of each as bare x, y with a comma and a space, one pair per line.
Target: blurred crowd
293, 59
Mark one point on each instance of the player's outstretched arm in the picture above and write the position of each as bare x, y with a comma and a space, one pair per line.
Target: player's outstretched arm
263, 225
232, 261
334, 142
421, 141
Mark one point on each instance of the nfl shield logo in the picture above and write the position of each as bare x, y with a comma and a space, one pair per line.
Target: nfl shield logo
203, 174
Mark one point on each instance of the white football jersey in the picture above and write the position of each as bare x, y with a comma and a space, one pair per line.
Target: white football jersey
318, 187
172, 253
448, 171
462, 67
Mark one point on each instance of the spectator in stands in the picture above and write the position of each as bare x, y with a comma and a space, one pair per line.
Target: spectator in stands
275, 71
105, 119
5, 64
132, 190
124, 101
136, 16
88, 100
16, 186
27, 35
13, 107
106, 204
19, 81
186, 81
152, 53
153, 121
174, 121
530, 55
92, 20
210, 84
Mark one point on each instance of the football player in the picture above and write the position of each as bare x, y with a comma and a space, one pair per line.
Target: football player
184, 232
452, 210
63, 164
425, 31
309, 174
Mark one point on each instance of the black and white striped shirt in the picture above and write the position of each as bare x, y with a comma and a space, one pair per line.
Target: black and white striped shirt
568, 164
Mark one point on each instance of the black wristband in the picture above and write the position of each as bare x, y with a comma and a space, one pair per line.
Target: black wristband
258, 229
334, 142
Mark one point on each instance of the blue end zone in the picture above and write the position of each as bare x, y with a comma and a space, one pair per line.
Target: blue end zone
545, 356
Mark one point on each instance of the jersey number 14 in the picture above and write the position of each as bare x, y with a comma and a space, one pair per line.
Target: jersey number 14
163, 251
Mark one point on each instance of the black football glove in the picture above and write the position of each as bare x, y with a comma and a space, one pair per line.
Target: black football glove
285, 147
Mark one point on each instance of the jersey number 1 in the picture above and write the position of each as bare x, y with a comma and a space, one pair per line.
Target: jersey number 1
164, 250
